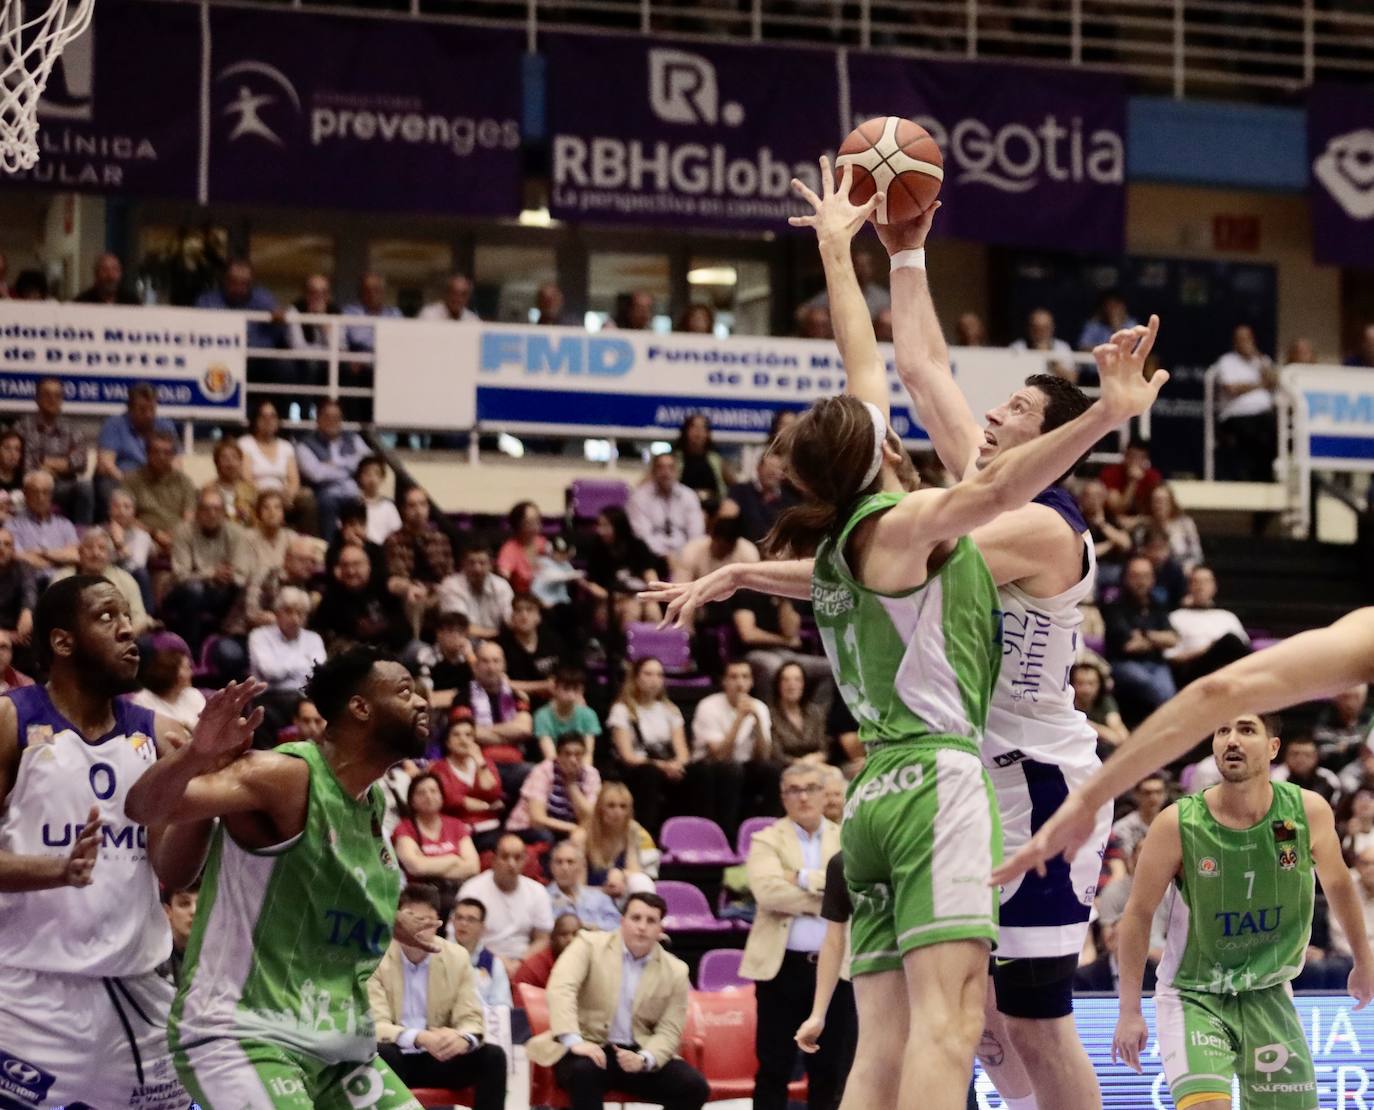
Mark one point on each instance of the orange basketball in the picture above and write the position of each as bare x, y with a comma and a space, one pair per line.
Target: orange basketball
900, 158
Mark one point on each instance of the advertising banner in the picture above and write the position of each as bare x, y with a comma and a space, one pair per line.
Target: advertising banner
1334, 416
1340, 144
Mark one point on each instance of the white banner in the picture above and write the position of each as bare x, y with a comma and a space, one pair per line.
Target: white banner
1333, 416
195, 359
426, 375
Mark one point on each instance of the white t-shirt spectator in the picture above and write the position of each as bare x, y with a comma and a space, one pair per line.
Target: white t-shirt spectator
1235, 369
656, 723
510, 917
185, 710
1199, 629
284, 664
665, 524
437, 310
713, 719
488, 607
382, 519
695, 560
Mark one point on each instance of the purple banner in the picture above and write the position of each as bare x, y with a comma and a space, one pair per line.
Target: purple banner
692, 134
1340, 144
390, 115
1033, 157
119, 113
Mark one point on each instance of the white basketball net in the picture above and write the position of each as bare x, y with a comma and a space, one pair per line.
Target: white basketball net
29, 45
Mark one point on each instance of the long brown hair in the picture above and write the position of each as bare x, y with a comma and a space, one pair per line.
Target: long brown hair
629, 689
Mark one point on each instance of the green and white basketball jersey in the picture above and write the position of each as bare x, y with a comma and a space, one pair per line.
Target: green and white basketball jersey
918, 665
1240, 914
285, 939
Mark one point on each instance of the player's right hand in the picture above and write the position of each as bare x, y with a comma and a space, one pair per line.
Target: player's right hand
1062, 835
685, 598
223, 732
1121, 367
1360, 985
1129, 1041
909, 235
81, 860
809, 1035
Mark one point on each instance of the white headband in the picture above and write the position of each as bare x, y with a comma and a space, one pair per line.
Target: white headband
879, 437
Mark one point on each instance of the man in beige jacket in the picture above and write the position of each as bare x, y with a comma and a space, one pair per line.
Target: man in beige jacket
429, 1021
786, 868
617, 1007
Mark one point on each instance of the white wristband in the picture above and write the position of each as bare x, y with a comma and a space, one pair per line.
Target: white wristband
909, 260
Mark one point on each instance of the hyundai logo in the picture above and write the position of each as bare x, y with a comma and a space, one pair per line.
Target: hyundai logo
22, 1073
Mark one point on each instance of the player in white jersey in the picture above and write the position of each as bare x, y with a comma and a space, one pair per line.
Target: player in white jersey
83, 1012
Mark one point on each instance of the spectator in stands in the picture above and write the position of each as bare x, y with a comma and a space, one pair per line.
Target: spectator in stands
451, 669
270, 461
533, 652
558, 793
813, 322
240, 496
1300, 351
486, 599
569, 892
519, 914
876, 295
30, 285
432, 846
1111, 543
634, 311
180, 908
1359, 770
501, 714
1364, 356
970, 331
166, 675
697, 319
238, 291
1299, 766
769, 630
353, 530
617, 1007
1111, 316
125, 439
700, 466
1185, 545
468, 778
648, 738
454, 303
549, 307
327, 459
611, 838
371, 302
132, 543
1343, 726
284, 654
1363, 874
418, 558
308, 723
1247, 436
619, 563
353, 611
566, 713
516, 559
11, 678
467, 925
11, 471
42, 538
1208, 637
798, 725
1130, 484
536, 971
751, 455
664, 513
316, 299
428, 1014
832, 801
299, 567
268, 539
759, 503
95, 557
55, 444
1103, 973
108, 287
733, 771
1171, 584
724, 544
18, 591
1150, 795
1355, 822
1138, 635
1040, 337
1092, 698
209, 571
165, 498
787, 876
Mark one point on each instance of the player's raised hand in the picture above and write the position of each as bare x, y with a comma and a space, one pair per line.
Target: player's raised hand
224, 730
1063, 834
1130, 1040
1360, 985
909, 235
81, 859
685, 598
415, 928
1121, 367
835, 215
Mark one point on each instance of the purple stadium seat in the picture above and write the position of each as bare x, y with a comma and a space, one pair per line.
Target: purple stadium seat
670, 646
695, 840
588, 496
747, 831
719, 970
688, 910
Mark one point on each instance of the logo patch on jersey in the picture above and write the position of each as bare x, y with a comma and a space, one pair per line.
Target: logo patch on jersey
143, 746
21, 1081
1285, 830
38, 735
1288, 858
1208, 866
1008, 758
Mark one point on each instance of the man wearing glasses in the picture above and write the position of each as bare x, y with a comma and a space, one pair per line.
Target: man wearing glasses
786, 867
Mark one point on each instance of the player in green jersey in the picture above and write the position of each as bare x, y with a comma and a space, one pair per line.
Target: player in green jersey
1236, 864
299, 896
908, 615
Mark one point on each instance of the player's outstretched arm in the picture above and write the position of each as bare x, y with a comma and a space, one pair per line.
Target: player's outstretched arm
1340, 894
780, 577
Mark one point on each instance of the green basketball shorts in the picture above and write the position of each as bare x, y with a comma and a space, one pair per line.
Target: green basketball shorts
1206, 1039
921, 836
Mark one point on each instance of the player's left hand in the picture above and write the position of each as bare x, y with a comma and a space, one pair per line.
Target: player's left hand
685, 598
1360, 985
223, 732
1130, 1040
1063, 834
836, 216
416, 929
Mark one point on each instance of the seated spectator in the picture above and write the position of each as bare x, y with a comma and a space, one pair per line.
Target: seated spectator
648, 739
468, 780
554, 573
1355, 822
516, 560
95, 557
549, 310
418, 558
382, 517
428, 1015
732, 769
1343, 726
533, 651
42, 539
1185, 545
240, 498
769, 632
970, 331
1111, 544
132, 543
108, 288
567, 712
299, 567
1247, 434
57, 445
558, 794
1151, 794
11, 471
270, 463
536, 970
753, 454
268, 537
467, 926
353, 611
603, 1036
1111, 316
238, 291
663, 512
570, 893
327, 459
306, 720
209, 571
124, 441
1171, 584
619, 564
1138, 635
451, 669
11, 678
284, 654
1130, 484
485, 598
611, 839
431, 846
835, 784
165, 498
1359, 770
454, 304
760, 502
798, 725
1093, 699
316, 299
371, 302
519, 915
634, 311
353, 531
1299, 766
813, 322
1208, 637
697, 319
166, 675
501, 714
1040, 337
180, 908
699, 465
18, 591
724, 545
1363, 875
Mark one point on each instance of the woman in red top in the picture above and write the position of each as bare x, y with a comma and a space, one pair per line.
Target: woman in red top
432, 847
515, 561
470, 785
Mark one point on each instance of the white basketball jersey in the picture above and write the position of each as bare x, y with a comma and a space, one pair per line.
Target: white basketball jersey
115, 926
